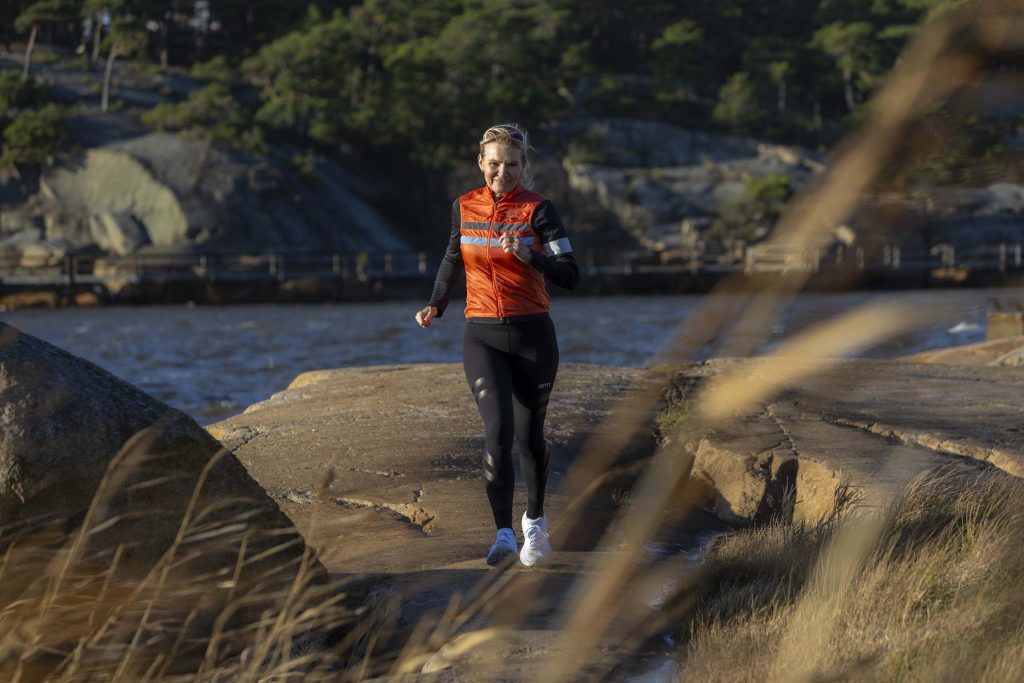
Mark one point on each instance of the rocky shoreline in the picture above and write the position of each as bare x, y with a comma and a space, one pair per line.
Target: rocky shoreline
407, 500
378, 469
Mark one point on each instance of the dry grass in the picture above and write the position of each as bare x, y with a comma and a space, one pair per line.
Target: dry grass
938, 596
75, 608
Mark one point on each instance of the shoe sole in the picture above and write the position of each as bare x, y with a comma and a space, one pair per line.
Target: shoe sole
498, 558
546, 559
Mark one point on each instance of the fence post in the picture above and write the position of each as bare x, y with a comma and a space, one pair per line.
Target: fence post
423, 262
69, 270
387, 262
1002, 257
896, 258
1016, 255
336, 264
860, 258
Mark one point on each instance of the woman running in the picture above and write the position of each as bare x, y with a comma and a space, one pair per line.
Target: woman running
508, 239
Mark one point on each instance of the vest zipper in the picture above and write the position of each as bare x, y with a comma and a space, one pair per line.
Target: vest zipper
490, 261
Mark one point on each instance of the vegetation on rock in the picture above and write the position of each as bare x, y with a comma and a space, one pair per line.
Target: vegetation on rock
930, 589
750, 216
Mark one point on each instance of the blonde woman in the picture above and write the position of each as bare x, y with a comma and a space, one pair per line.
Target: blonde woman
508, 239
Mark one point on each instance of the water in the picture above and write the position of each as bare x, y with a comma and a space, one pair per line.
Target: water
214, 361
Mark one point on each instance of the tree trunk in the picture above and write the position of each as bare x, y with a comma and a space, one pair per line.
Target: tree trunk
107, 77
27, 63
848, 87
165, 38
97, 36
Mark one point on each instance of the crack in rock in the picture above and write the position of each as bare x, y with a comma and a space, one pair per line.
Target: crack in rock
379, 473
413, 515
233, 437
301, 496
936, 444
769, 412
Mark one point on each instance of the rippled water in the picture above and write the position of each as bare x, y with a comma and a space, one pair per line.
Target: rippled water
212, 362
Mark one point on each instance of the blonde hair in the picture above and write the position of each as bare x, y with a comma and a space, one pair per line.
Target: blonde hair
512, 135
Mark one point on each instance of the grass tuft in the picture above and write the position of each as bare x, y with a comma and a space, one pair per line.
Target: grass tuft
938, 596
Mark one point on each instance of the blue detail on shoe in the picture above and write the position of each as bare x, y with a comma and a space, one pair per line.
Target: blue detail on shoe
504, 547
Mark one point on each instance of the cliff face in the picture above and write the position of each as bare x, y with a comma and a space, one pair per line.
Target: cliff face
656, 186
665, 186
170, 192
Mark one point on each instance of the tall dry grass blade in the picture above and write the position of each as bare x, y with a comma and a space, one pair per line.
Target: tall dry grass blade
928, 70
120, 468
592, 608
813, 621
807, 354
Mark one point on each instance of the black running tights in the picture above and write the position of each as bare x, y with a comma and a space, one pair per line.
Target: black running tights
511, 368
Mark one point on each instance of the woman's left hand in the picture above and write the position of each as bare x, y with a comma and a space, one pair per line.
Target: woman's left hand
511, 243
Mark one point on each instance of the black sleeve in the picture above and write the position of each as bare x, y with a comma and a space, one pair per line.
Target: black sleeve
451, 265
556, 260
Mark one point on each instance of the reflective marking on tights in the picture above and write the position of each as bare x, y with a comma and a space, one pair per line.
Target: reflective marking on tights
490, 469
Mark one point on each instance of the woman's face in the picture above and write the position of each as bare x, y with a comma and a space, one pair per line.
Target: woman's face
502, 166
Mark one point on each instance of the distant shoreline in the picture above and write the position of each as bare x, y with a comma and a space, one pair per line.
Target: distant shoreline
355, 290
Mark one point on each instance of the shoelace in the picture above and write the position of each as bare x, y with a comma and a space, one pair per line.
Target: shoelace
535, 534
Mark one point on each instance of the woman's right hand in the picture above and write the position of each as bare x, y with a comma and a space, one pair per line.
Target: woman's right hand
426, 316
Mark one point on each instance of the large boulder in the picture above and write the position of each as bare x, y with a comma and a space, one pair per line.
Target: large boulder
129, 535
63, 421
118, 233
168, 192
112, 182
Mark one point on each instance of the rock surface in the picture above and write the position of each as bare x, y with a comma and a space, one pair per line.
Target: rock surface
652, 176
998, 352
665, 185
864, 428
407, 501
175, 193
62, 422
405, 444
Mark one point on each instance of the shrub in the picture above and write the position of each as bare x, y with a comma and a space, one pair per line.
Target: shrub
210, 112
749, 216
33, 136
18, 93
585, 148
216, 70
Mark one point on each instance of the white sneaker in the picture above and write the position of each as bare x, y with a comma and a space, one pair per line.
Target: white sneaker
536, 547
504, 546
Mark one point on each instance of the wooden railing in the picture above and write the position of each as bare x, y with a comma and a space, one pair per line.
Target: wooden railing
375, 265
223, 267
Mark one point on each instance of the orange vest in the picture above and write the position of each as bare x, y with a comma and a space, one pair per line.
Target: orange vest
499, 285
